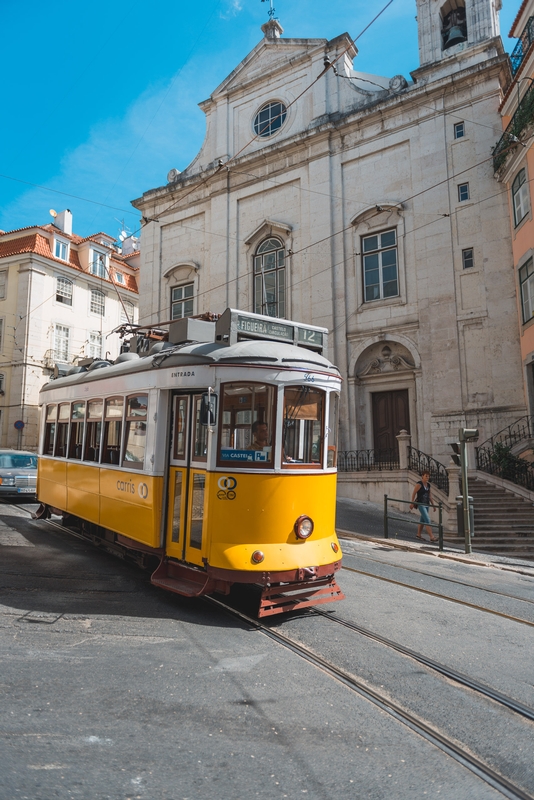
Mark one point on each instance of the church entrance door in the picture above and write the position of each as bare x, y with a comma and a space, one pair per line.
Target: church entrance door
390, 415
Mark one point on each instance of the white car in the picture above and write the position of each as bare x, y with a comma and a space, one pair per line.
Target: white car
18, 474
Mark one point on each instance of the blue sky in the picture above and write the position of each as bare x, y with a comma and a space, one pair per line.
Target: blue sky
101, 97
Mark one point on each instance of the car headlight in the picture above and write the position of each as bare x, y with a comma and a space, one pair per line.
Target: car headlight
7, 481
304, 527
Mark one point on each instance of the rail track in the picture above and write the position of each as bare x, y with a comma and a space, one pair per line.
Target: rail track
443, 596
443, 669
381, 700
436, 577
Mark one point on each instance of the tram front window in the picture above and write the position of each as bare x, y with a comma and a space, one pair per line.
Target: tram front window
303, 426
247, 418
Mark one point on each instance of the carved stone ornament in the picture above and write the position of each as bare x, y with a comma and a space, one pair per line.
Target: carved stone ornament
387, 361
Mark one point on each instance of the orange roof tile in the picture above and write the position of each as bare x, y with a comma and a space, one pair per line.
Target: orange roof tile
40, 245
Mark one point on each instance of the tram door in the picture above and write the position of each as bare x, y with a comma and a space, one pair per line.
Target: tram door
187, 480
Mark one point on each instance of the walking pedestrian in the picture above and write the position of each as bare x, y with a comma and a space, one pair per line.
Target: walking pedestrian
422, 499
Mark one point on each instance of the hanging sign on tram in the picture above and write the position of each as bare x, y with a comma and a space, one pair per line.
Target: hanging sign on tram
271, 330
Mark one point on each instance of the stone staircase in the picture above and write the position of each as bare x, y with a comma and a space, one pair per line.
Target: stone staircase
504, 521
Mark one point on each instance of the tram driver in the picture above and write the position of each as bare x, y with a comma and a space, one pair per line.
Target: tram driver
260, 436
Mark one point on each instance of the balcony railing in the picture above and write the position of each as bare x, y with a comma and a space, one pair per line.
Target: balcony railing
510, 140
363, 460
520, 50
421, 462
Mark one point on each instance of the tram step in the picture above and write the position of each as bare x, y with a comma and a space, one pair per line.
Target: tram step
181, 579
283, 597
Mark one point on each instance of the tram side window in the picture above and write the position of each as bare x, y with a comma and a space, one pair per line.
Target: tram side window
136, 414
247, 419
333, 418
62, 436
200, 443
111, 447
180, 428
76, 430
50, 430
94, 430
303, 426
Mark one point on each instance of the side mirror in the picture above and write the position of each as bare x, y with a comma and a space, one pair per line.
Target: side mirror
208, 409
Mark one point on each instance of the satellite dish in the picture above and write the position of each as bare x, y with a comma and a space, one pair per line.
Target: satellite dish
122, 236
53, 213
173, 175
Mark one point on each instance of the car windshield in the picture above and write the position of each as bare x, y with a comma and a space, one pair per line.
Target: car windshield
18, 461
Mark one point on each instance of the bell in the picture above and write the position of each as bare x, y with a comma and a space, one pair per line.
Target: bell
454, 36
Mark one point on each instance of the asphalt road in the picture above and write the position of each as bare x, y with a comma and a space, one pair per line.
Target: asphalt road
114, 689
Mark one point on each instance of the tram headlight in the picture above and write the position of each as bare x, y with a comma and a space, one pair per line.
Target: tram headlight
304, 527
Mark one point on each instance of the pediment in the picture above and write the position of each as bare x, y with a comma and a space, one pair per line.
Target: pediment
268, 228
267, 57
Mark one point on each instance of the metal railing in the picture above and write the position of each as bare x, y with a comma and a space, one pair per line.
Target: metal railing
509, 141
420, 462
520, 430
363, 460
498, 460
520, 50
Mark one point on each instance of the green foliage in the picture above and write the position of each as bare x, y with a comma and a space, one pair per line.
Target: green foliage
509, 466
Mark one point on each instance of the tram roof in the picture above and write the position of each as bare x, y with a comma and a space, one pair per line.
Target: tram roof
245, 353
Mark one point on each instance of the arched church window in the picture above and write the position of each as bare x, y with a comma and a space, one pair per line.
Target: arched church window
270, 278
453, 23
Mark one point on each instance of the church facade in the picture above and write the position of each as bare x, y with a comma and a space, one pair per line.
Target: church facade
366, 205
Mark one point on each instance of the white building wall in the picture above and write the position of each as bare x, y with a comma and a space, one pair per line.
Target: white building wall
348, 163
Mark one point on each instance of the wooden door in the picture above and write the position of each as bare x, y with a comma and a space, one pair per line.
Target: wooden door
391, 414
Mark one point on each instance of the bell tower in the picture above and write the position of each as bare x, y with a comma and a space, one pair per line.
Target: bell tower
452, 27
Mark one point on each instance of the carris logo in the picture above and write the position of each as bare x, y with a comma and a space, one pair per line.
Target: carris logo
227, 482
226, 486
143, 490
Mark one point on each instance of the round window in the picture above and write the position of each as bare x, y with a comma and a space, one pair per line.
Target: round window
270, 119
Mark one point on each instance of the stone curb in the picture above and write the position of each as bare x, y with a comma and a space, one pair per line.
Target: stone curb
450, 556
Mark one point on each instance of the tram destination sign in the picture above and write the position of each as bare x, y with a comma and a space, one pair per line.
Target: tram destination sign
265, 328
233, 325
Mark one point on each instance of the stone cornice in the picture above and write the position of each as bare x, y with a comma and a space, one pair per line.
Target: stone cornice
407, 102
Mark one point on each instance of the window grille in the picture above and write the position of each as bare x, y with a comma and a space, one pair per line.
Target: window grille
95, 344
98, 264
463, 192
270, 278
526, 282
520, 197
182, 301
61, 343
380, 266
127, 312
64, 291
97, 302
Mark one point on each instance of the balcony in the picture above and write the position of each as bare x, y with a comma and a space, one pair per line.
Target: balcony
511, 138
520, 50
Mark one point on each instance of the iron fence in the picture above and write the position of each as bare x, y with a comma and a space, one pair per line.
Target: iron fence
498, 460
420, 462
523, 44
362, 460
520, 430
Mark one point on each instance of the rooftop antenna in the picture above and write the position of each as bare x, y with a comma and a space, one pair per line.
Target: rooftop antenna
271, 9
124, 230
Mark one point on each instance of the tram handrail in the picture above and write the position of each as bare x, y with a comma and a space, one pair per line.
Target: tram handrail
438, 525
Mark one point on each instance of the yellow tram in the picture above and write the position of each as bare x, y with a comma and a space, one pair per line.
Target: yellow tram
214, 451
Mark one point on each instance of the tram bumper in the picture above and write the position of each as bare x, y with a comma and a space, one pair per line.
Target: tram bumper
289, 590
